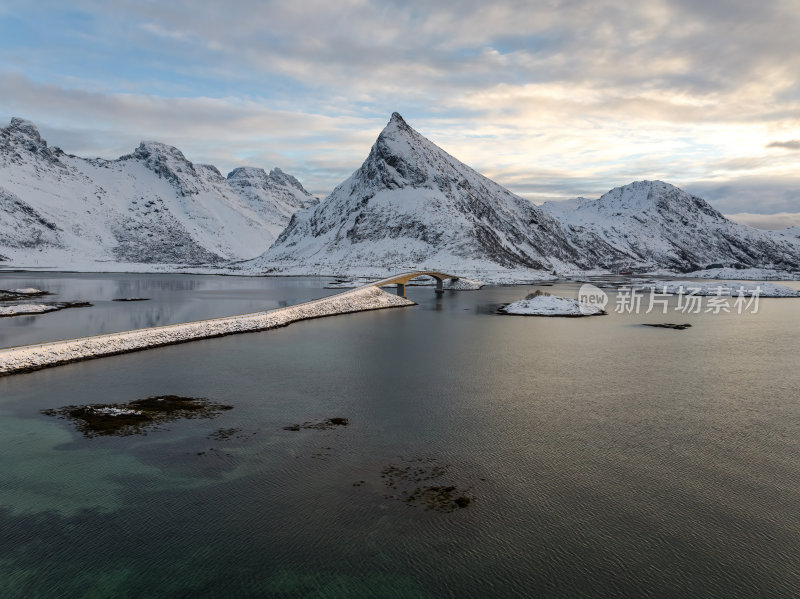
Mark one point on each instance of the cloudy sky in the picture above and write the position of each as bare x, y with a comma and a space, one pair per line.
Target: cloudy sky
552, 99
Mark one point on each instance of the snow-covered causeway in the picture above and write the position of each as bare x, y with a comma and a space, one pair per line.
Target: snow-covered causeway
33, 357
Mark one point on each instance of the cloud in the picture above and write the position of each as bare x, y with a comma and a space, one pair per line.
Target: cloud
764, 195
227, 132
553, 99
413, 49
781, 220
792, 144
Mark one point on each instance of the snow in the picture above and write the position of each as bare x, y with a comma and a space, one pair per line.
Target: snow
746, 274
275, 196
650, 225
410, 205
463, 284
27, 291
21, 309
342, 284
108, 411
460, 284
33, 357
471, 270
150, 206
552, 305
790, 232
719, 288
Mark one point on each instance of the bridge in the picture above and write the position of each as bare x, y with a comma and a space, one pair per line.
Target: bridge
401, 280
27, 358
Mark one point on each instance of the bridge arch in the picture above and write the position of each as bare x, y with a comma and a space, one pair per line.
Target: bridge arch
401, 280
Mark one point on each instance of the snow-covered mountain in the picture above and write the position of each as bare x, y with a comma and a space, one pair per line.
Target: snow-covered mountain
652, 225
150, 206
409, 205
413, 205
275, 196
791, 234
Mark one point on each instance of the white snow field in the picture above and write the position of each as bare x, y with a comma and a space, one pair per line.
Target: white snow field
34, 357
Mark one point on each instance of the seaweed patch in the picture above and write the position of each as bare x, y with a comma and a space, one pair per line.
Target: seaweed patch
407, 483
323, 425
136, 417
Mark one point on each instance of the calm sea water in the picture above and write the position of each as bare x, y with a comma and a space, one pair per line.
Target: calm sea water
604, 458
169, 299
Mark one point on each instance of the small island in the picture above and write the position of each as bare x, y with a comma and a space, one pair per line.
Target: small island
540, 303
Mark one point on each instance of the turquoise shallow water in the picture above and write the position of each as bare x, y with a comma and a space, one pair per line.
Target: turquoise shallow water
603, 458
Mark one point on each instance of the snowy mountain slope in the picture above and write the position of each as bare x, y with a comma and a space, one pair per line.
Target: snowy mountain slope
24, 227
150, 206
656, 225
790, 234
275, 196
411, 204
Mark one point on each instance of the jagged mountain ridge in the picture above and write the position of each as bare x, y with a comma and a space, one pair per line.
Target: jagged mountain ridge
258, 189
409, 205
150, 206
652, 224
412, 204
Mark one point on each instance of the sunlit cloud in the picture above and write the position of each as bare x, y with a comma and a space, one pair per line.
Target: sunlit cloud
554, 99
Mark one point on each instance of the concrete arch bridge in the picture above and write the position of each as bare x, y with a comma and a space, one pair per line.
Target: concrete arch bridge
402, 279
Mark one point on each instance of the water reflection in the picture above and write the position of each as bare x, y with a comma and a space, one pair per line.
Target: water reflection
171, 299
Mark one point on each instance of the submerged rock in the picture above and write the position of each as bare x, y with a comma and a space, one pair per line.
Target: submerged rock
223, 434
462, 501
669, 325
405, 480
326, 424
137, 416
439, 498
